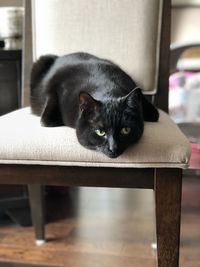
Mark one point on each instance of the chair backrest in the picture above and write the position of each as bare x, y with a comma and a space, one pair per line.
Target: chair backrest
129, 32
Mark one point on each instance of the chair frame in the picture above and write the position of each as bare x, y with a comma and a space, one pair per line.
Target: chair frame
166, 182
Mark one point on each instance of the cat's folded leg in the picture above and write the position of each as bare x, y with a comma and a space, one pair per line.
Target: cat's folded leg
51, 115
150, 113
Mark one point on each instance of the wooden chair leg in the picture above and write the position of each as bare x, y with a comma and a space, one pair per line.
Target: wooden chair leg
36, 198
168, 187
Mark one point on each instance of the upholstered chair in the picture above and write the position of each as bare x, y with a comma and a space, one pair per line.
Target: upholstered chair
135, 35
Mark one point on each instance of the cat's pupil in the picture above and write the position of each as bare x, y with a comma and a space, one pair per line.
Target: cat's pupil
125, 130
100, 132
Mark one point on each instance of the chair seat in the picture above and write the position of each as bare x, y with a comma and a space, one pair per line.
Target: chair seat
24, 141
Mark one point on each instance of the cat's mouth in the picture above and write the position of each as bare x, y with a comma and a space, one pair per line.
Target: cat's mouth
111, 154
107, 152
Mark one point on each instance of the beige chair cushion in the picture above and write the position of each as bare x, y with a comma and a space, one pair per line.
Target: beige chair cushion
124, 31
24, 141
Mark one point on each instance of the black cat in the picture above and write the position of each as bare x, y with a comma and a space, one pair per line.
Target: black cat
92, 95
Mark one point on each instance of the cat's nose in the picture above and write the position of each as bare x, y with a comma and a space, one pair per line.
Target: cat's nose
112, 147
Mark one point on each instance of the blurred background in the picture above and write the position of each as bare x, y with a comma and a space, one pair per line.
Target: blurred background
184, 81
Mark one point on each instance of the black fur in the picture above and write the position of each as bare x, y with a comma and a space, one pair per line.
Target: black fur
92, 95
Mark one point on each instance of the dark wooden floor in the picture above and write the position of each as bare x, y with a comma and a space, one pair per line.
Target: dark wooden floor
91, 227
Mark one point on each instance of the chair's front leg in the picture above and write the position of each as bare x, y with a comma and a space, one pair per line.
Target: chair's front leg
168, 187
36, 198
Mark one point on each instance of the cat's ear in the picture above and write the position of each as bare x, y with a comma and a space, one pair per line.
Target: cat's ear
87, 102
135, 97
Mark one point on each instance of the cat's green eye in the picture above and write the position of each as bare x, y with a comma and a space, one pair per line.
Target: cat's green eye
125, 131
100, 132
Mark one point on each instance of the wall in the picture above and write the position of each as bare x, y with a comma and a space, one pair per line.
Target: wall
185, 24
27, 54
185, 2
11, 3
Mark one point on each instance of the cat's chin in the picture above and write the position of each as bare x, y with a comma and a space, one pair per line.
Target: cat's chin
111, 155
107, 153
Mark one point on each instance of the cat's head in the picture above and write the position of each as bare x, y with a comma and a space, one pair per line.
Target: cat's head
113, 125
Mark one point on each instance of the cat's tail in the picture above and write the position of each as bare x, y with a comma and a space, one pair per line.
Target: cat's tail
40, 68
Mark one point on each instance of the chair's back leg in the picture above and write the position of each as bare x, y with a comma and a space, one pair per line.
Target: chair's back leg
168, 188
36, 197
